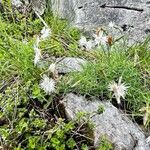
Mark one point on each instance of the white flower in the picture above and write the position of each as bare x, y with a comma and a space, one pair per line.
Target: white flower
52, 68
111, 24
89, 44
48, 84
38, 55
82, 41
104, 40
119, 89
45, 33
37, 51
100, 39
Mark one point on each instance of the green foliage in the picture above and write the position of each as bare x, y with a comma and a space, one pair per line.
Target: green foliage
58, 139
96, 76
23, 106
84, 147
28, 117
82, 116
101, 109
105, 144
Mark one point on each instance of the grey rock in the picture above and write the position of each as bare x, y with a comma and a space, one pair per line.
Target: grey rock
69, 64
112, 123
39, 6
148, 141
132, 16
15, 3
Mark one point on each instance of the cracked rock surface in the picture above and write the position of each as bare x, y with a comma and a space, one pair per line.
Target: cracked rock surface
133, 16
112, 123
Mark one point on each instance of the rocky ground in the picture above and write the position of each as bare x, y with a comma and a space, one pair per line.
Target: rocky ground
82, 84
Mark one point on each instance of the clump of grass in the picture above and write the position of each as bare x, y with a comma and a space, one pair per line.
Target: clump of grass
97, 75
105, 144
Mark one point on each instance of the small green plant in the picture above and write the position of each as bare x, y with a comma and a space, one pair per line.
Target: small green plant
105, 144
82, 116
101, 109
96, 77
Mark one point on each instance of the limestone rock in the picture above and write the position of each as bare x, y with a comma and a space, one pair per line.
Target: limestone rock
132, 16
39, 6
69, 64
112, 123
